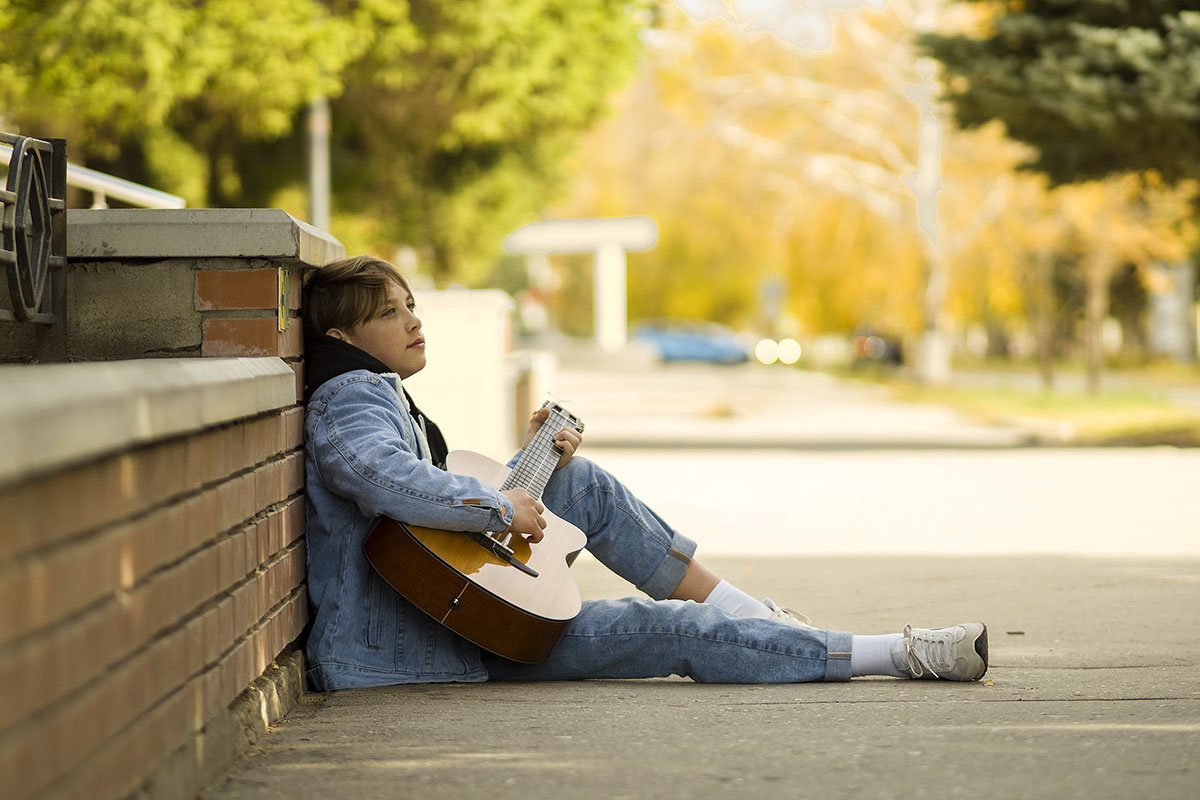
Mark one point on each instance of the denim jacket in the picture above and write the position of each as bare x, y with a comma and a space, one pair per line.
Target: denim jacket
364, 458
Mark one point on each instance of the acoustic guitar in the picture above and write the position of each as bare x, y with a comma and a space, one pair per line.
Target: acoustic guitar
494, 589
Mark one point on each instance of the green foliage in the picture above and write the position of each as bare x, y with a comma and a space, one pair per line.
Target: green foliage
1096, 86
103, 72
474, 120
451, 118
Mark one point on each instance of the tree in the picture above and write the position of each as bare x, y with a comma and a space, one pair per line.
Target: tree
456, 140
1095, 86
763, 162
451, 119
163, 88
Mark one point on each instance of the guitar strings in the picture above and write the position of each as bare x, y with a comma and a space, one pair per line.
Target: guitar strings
533, 470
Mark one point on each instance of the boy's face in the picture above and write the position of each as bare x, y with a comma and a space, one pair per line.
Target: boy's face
393, 335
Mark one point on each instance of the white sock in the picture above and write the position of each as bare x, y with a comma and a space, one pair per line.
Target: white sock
735, 601
872, 655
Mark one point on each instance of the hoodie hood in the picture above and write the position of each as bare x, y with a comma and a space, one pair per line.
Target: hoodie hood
325, 358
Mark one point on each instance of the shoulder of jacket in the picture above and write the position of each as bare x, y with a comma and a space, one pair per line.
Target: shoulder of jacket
353, 382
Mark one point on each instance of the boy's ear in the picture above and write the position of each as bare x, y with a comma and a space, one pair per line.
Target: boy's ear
337, 333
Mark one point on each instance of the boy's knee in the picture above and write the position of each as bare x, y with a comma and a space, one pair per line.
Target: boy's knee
579, 469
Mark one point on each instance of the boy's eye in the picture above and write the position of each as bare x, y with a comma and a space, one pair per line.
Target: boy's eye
387, 312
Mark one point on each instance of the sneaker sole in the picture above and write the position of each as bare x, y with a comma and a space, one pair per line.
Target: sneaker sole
981, 649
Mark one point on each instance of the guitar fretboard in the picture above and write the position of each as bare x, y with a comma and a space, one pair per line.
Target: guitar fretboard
532, 471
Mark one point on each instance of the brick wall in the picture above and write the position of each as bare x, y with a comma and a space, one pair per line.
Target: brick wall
152, 558
154, 584
250, 310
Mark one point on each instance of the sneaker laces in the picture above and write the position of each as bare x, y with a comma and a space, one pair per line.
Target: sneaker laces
924, 648
788, 614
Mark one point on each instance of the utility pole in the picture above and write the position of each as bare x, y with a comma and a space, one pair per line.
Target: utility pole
318, 163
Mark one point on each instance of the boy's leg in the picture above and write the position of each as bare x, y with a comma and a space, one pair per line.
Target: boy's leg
636, 638
622, 532
630, 539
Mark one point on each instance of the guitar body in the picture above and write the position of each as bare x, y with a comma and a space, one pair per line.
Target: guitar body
476, 594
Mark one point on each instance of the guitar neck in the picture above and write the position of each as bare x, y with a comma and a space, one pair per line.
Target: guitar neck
540, 457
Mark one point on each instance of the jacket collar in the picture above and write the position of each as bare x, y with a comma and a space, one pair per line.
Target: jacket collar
325, 358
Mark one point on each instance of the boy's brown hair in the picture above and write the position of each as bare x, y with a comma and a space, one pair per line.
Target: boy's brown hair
346, 293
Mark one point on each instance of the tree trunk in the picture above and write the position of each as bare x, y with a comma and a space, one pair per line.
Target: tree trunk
441, 268
1044, 311
1099, 272
933, 354
1037, 290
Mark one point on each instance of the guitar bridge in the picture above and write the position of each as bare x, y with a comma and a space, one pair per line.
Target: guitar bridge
501, 551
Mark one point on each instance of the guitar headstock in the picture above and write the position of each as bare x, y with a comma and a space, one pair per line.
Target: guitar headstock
561, 418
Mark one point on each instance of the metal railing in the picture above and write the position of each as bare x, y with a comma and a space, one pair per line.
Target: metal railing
103, 186
33, 214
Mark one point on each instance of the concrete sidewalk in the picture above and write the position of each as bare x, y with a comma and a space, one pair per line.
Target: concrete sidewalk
1093, 692
688, 406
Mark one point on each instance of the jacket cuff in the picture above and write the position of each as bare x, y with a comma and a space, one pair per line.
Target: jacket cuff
503, 516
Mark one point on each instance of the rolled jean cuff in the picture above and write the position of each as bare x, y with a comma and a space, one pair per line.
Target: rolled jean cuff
837, 655
671, 569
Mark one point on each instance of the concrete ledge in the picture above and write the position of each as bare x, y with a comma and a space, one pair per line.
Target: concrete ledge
106, 234
57, 414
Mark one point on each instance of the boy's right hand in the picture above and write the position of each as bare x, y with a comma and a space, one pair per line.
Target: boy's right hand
527, 515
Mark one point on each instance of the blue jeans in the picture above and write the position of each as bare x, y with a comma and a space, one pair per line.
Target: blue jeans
638, 638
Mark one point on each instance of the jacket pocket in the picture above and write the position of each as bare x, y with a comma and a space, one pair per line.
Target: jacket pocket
375, 600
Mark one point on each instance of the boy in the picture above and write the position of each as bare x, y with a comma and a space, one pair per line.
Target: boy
371, 453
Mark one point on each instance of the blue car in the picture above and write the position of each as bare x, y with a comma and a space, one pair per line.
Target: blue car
692, 340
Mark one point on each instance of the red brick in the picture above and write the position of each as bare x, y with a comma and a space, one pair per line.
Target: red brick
48, 589
250, 546
292, 519
292, 421
60, 739
46, 510
249, 337
117, 557
129, 758
51, 668
49, 509
254, 447
294, 477
276, 434
237, 289
241, 563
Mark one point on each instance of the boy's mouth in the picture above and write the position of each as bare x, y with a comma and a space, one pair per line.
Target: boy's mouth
418, 343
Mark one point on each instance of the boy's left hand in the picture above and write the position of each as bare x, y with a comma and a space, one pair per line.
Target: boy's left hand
567, 439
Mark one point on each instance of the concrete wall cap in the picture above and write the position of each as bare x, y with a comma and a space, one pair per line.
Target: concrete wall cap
54, 415
114, 233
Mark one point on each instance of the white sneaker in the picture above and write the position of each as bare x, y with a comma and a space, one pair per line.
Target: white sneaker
959, 653
788, 615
